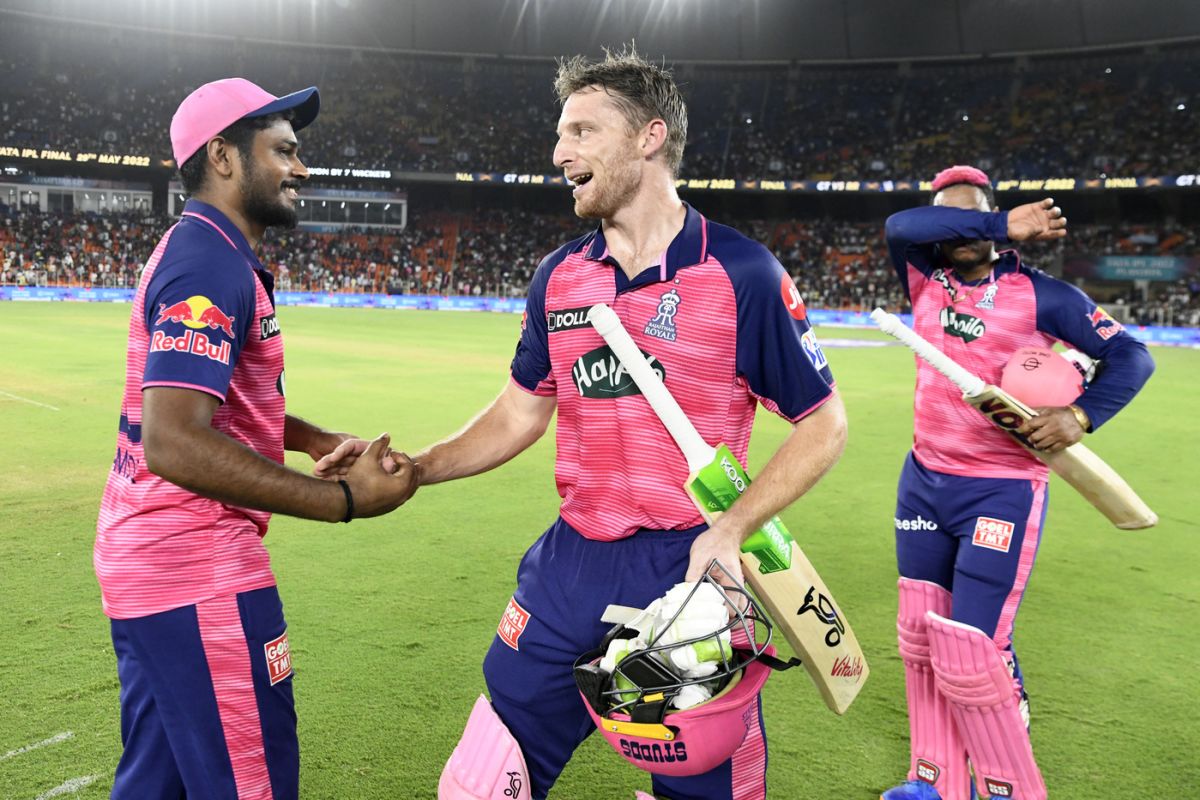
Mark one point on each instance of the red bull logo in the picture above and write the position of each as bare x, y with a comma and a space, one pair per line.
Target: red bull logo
177, 312
193, 342
196, 312
1105, 326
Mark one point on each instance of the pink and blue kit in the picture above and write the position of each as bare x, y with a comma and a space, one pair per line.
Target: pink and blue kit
722, 322
972, 502
197, 624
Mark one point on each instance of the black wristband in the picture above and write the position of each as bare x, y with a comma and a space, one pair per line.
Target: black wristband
349, 501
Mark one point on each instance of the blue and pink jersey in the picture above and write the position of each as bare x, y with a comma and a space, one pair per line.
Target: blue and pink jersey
981, 324
203, 319
718, 318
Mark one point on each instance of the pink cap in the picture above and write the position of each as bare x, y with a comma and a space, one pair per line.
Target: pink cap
215, 106
960, 174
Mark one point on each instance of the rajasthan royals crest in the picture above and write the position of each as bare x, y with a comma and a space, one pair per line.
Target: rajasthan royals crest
988, 301
663, 324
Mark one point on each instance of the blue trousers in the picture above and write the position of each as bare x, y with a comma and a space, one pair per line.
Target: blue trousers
976, 537
564, 583
206, 702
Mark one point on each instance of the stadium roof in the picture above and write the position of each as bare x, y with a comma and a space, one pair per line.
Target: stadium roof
679, 30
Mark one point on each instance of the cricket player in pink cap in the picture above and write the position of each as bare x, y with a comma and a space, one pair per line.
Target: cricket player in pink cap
197, 625
971, 501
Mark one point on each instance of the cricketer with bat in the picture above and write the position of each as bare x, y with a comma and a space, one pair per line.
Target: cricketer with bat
971, 500
722, 321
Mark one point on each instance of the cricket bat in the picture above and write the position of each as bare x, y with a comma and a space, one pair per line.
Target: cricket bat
1085, 471
787, 585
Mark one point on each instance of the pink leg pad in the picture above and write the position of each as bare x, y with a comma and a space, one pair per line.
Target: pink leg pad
938, 754
974, 677
487, 763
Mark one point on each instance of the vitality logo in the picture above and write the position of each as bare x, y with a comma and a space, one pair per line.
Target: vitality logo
599, 374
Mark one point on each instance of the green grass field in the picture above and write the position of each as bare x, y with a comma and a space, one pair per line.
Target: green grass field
389, 618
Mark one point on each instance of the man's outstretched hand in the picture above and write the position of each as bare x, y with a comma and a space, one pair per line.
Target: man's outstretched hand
337, 463
380, 479
1036, 222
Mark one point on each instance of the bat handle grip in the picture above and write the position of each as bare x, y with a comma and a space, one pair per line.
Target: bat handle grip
968, 384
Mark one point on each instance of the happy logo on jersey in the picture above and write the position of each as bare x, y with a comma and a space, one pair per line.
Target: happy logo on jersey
791, 298
599, 374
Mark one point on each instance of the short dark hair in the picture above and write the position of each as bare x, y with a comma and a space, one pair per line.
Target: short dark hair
987, 190
642, 90
240, 134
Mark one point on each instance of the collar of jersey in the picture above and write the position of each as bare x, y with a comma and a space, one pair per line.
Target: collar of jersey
232, 234
1007, 261
688, 248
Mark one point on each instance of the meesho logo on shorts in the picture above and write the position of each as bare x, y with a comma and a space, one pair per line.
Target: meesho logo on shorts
197, 313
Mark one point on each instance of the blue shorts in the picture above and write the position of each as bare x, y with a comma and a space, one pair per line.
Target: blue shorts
206, 702
564, 583
976, 537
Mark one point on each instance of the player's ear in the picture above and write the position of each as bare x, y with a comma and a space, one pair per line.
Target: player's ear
220, 156
653, 137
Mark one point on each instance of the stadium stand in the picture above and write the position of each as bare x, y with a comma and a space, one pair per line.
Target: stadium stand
491, 252
1129, 113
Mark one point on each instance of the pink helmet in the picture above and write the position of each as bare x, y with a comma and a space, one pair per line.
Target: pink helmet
631, 706
1039, 376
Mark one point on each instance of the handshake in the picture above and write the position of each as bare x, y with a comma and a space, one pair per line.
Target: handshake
374, 478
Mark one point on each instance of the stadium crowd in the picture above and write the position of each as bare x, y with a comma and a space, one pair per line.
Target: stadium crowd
1129, 114
494, 252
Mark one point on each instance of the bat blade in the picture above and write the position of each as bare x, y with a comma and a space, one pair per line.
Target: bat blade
1085, 471
780, 575
803, 609
790, 589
